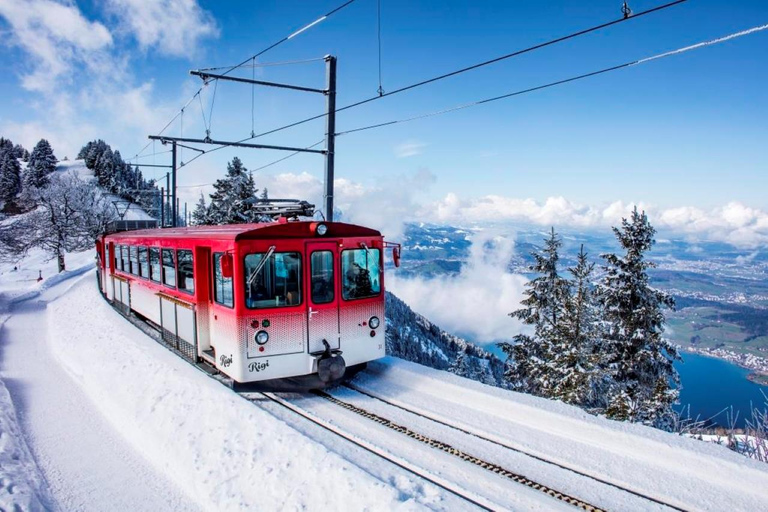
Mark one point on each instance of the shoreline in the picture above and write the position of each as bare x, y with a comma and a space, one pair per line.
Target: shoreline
757, 367
761, 379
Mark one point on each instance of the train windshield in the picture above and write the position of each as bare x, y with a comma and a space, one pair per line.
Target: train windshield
360, 272
272, 279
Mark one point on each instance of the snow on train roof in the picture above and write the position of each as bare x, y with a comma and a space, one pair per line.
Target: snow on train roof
300, 229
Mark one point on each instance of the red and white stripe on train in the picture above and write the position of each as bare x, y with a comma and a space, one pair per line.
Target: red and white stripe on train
257, 302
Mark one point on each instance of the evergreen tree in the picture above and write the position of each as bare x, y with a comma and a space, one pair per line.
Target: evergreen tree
232, 200
10, 178
643, 381
460, 366
5, 145
42, 163
530, 356
576, 362
19, 151
200, 214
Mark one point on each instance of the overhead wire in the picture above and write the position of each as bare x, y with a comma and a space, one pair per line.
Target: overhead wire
266, 64
564, 81
291, 36
258, 54
459, 71
291, 155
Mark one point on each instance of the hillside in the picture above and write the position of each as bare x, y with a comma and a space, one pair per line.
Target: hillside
413, 337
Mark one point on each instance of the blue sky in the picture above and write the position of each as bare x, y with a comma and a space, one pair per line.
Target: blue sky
687, 131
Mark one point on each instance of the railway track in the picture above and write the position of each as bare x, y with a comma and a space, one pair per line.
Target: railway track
447, 484
507, 446
444, 483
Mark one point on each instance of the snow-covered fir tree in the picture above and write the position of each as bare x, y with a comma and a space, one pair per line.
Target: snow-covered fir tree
19, 151
459, 366
118, 177
10, 178
200, 213
42, 163
643, 381
576, 361
232, 200
530, 355
5, 145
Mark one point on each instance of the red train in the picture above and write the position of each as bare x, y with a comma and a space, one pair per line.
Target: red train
275, 303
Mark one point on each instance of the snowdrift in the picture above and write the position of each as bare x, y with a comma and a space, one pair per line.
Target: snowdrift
222, 451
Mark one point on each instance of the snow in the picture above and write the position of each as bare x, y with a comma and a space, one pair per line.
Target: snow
219, 449
22, 484
95, 415
681, 471
78, 167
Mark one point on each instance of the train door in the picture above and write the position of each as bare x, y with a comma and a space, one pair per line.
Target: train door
204, 298
322, 296
109, 263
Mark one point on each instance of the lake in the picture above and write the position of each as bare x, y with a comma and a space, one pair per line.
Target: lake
711, 385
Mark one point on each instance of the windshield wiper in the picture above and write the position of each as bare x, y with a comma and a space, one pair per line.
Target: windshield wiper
261, 264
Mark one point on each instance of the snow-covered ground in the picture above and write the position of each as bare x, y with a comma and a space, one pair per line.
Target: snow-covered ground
113, 421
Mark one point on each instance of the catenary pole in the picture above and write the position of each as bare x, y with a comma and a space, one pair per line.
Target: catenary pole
330, 134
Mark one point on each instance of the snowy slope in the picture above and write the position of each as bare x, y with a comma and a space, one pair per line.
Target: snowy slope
684, 472
222, 451
78, 167
137, 429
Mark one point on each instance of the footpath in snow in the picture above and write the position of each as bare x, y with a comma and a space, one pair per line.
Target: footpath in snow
85, 463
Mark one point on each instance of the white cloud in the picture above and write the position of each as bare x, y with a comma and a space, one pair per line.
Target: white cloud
391, 202
57, 36
83, 76
734, 222
385, 206
476, 302
173, 27
409, 148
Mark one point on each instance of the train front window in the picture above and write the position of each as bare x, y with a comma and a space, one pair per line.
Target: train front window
361, 273
272, 283
321, 264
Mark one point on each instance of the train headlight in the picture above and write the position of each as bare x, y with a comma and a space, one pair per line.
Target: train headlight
321, 229
262, 337
374, 322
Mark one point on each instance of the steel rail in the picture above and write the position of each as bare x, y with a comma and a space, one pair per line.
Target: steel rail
501, 444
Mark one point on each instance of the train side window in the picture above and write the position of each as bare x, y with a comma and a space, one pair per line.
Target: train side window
143, 262
126, 263
154, 264
321, 265
118, 256
361, 273
272, 283
222, 286
134, 257
169, 268
185, 271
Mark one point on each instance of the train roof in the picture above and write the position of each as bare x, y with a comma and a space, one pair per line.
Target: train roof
298, 229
